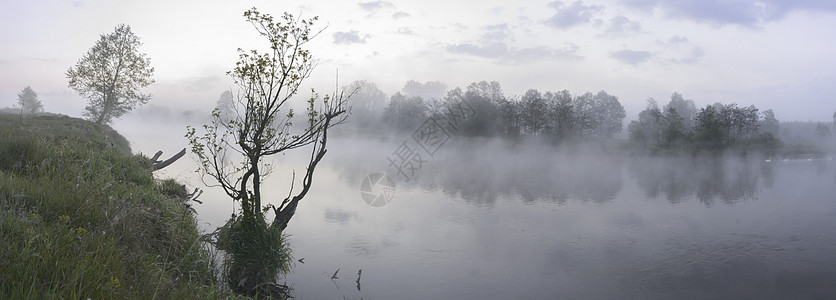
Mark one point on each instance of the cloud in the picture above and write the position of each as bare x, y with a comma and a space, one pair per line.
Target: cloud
498, 32
375, 5
568, 16
400, 15
406, 31
747, 13
693, 56
501, 52
349, 37
676, 40
681, 51
631, 57
621, 25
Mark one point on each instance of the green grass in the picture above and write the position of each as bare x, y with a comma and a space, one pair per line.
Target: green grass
82, 218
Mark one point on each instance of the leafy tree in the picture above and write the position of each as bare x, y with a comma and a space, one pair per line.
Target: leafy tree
610, 113
405, 113
560, 115
534, 111
586, 122
111, 74
508, 117
429, 90
649, 126
684, 108
674, 126
367, 103
769, 125
710, 128
263, 127
482, 97
28, 101
491, 91
226, 106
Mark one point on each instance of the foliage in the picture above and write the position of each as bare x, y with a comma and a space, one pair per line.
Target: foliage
101, 230
556, 115
405, 113
110, 75
256, 255
366, 104
28, 101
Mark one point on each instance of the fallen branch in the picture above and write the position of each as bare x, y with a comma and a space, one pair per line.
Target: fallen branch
162, 164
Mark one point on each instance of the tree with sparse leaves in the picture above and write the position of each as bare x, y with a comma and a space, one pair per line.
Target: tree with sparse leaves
264, 125
233, 152
111, 74
28, 101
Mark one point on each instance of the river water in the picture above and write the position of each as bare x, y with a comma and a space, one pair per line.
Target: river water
487, 220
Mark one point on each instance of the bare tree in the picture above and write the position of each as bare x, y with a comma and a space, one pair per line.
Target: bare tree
110, 75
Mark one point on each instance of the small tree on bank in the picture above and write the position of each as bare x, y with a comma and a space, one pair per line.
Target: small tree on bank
111, 74
262, 126
28, 101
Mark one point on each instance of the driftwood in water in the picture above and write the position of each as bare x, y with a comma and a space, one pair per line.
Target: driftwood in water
162, 164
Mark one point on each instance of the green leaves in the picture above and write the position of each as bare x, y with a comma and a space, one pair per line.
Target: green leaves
111, 74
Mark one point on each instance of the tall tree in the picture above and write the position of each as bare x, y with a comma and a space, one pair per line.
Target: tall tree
649, 127
367, 104
508, 117
265, 125
534, 111
560, 117
710, 128
684, 108
769, 124
405, 113
111, 74
674, 126
610, 113
428, 91
586, 121
226, 105
28, 101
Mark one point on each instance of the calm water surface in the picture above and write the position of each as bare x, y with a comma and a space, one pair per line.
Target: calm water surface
493, 222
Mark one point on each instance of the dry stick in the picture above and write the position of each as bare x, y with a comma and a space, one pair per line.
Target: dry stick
359, 272
335, 277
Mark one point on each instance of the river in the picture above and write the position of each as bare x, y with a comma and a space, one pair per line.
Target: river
488, 220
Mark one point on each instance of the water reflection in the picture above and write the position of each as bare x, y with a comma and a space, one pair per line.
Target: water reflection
709, 179
483, 173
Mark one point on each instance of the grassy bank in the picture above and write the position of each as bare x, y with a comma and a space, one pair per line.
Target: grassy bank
80, 217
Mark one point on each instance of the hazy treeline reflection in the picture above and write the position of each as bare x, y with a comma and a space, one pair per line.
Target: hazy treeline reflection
480, 171
709, 179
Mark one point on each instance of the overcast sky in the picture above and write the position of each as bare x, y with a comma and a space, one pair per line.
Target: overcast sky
775, 54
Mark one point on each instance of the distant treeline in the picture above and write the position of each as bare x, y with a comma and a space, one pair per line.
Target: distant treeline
483, 110
679, 125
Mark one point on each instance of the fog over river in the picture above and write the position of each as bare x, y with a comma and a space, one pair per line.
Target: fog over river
488, 219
